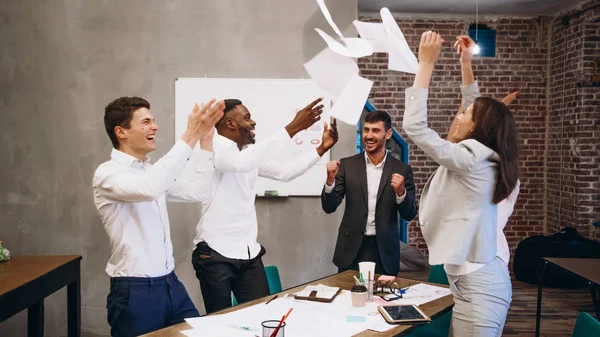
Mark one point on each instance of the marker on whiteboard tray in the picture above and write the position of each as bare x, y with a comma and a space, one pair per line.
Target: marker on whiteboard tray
271, 193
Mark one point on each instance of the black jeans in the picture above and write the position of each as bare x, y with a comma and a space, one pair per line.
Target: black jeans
368, 252
219, 276
138, 305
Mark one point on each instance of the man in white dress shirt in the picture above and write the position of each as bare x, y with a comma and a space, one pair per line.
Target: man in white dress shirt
130, 195
228, 257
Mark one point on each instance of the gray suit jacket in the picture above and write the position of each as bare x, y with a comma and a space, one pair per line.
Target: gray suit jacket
456, 213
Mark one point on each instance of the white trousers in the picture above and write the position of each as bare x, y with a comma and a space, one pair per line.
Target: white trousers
481, 301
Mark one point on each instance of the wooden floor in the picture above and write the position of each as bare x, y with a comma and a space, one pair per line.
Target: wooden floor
560, 308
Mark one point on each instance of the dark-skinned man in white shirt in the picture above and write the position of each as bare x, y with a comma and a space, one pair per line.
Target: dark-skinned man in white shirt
228, 257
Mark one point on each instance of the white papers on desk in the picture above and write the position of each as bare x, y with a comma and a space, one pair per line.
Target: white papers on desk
218, 326
350, 104
309, 318
422, 293
417, 294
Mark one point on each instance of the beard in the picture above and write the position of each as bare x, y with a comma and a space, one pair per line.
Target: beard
372, 148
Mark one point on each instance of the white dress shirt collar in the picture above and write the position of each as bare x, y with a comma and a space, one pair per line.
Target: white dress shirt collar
126, 159
378, 165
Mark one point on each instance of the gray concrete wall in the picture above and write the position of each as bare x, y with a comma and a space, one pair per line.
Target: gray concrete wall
62, 61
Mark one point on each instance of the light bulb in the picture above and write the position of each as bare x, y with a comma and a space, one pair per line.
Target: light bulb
476, 50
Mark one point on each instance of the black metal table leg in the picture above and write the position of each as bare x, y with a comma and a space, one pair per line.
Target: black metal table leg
74, 308
595, 298
35, 319
539, 300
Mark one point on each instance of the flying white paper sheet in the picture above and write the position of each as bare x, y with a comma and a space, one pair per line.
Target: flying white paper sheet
349, 105
331, 71
401, 58
374, 33
354, 47
328, 17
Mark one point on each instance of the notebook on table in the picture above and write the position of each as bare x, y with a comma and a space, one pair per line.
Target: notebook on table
319, 293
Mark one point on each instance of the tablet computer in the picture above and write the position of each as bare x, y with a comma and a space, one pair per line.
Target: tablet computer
406, 313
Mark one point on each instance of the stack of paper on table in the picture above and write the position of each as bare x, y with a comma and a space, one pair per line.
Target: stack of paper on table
309, 318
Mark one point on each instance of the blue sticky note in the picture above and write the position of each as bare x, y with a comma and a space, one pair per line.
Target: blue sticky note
356, 319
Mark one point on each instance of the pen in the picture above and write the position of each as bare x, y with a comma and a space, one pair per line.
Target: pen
245, 328
269, 301
274, 333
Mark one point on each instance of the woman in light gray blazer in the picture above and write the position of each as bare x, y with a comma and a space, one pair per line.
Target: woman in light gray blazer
458, 208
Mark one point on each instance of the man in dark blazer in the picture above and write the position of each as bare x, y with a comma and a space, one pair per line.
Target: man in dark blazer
377, 187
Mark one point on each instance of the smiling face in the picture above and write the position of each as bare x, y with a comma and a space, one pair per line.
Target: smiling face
140, 137
243, 125
374, 136
462, 125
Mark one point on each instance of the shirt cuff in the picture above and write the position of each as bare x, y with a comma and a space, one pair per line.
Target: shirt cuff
206, 156
184, 147
469, 89
400, 199
328, 188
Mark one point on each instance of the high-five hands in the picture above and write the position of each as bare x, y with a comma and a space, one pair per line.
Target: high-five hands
202, 120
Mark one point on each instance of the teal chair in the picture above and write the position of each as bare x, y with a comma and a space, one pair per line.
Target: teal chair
440, 327
273, 279
586, 326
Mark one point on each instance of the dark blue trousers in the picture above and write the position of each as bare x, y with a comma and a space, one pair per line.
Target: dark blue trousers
138, 305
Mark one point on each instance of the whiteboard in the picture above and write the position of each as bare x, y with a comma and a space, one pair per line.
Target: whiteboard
273, 104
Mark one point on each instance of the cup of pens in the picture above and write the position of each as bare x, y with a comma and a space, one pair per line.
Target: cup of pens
367, 276
273, 328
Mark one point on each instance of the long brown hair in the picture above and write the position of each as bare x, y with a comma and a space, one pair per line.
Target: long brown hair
495, 128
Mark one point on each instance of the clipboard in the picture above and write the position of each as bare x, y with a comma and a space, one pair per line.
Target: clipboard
313, 297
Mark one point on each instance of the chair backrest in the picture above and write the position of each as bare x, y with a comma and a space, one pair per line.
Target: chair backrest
437, 274
273, 279
586, 326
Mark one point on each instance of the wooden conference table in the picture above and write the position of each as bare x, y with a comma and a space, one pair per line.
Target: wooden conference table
587, 269
345, 281
26, 280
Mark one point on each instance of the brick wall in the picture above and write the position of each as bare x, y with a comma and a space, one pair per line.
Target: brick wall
526, 51
574, 123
